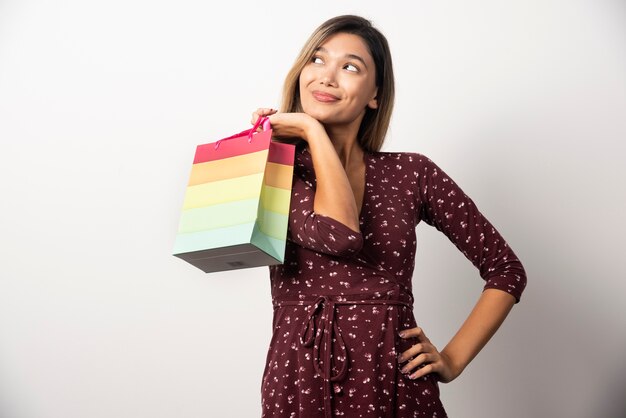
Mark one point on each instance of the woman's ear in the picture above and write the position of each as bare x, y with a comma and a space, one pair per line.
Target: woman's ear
373, 103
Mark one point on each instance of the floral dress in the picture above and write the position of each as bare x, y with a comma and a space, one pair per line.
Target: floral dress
341, 296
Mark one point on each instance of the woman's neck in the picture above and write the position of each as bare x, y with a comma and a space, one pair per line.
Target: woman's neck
344, 139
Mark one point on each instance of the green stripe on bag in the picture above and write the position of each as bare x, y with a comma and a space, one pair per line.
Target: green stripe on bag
273, 224
218, 216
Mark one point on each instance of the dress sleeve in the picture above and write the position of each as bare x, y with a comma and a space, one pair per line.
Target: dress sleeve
318, 232
446, 207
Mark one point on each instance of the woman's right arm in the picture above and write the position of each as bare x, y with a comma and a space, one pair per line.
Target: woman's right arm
333, 194
317, 221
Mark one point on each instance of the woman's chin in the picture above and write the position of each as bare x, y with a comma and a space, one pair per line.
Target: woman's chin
324, 118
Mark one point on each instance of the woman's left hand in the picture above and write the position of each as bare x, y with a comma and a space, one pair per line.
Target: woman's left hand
425, 354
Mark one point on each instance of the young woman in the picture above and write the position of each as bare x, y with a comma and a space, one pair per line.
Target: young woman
345, 341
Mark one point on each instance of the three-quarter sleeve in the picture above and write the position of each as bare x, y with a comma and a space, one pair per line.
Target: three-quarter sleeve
445, 206
318, 232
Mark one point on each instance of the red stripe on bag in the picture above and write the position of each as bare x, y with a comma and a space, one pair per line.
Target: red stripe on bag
281, 153
233, 147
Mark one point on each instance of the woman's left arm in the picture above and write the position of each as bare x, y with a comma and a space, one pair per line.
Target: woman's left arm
482, 323
444, 205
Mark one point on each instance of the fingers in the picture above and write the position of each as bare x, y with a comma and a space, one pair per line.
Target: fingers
423, 355
411, 352
426, 360
429, 368
262, 111
416, 332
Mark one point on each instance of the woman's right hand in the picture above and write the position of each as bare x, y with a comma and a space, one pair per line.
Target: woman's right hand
289, 125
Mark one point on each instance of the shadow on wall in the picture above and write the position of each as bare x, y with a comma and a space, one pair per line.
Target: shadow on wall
614, 404
572, 298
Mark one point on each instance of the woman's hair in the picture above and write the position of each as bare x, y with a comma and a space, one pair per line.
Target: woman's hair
376, 121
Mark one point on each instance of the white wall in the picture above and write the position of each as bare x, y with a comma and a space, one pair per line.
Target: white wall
101, 106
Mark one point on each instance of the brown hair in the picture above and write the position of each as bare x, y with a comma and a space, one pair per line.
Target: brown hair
376, 121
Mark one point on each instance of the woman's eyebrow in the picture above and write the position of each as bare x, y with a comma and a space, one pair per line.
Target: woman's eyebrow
351, 56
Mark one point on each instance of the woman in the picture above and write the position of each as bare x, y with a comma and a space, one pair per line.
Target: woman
345, 341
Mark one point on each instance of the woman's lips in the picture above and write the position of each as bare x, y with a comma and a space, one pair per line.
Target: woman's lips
320, 96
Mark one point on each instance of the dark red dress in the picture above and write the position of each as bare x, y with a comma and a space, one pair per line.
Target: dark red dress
341, 296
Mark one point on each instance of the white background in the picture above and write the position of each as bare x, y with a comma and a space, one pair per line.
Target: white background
102, 104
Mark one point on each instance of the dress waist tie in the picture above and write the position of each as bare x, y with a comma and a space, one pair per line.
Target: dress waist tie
327, 328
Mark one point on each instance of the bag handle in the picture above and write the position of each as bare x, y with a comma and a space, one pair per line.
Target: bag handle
264, 120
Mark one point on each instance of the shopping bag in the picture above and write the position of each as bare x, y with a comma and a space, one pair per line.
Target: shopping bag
236, 205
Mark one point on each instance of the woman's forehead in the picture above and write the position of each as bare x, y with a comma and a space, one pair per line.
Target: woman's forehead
345, 44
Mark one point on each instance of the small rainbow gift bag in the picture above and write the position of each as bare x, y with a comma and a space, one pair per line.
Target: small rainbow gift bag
236, 205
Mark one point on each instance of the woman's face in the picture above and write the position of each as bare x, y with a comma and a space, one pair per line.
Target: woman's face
339, 82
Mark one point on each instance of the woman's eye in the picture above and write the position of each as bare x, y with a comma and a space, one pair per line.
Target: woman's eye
351, 67
317, 60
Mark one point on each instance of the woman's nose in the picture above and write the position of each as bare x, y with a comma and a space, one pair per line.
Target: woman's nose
327, 78
328, 81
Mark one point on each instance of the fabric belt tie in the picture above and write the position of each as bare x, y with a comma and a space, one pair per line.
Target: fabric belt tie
327, 328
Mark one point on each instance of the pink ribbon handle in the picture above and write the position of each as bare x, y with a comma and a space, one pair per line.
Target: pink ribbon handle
262, 120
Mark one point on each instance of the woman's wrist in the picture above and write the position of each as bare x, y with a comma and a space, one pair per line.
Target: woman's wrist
490, 311
456, 367
312, 129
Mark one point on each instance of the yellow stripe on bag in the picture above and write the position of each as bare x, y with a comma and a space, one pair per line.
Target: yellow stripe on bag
276, 200
216, 192
278, 175
228, 168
